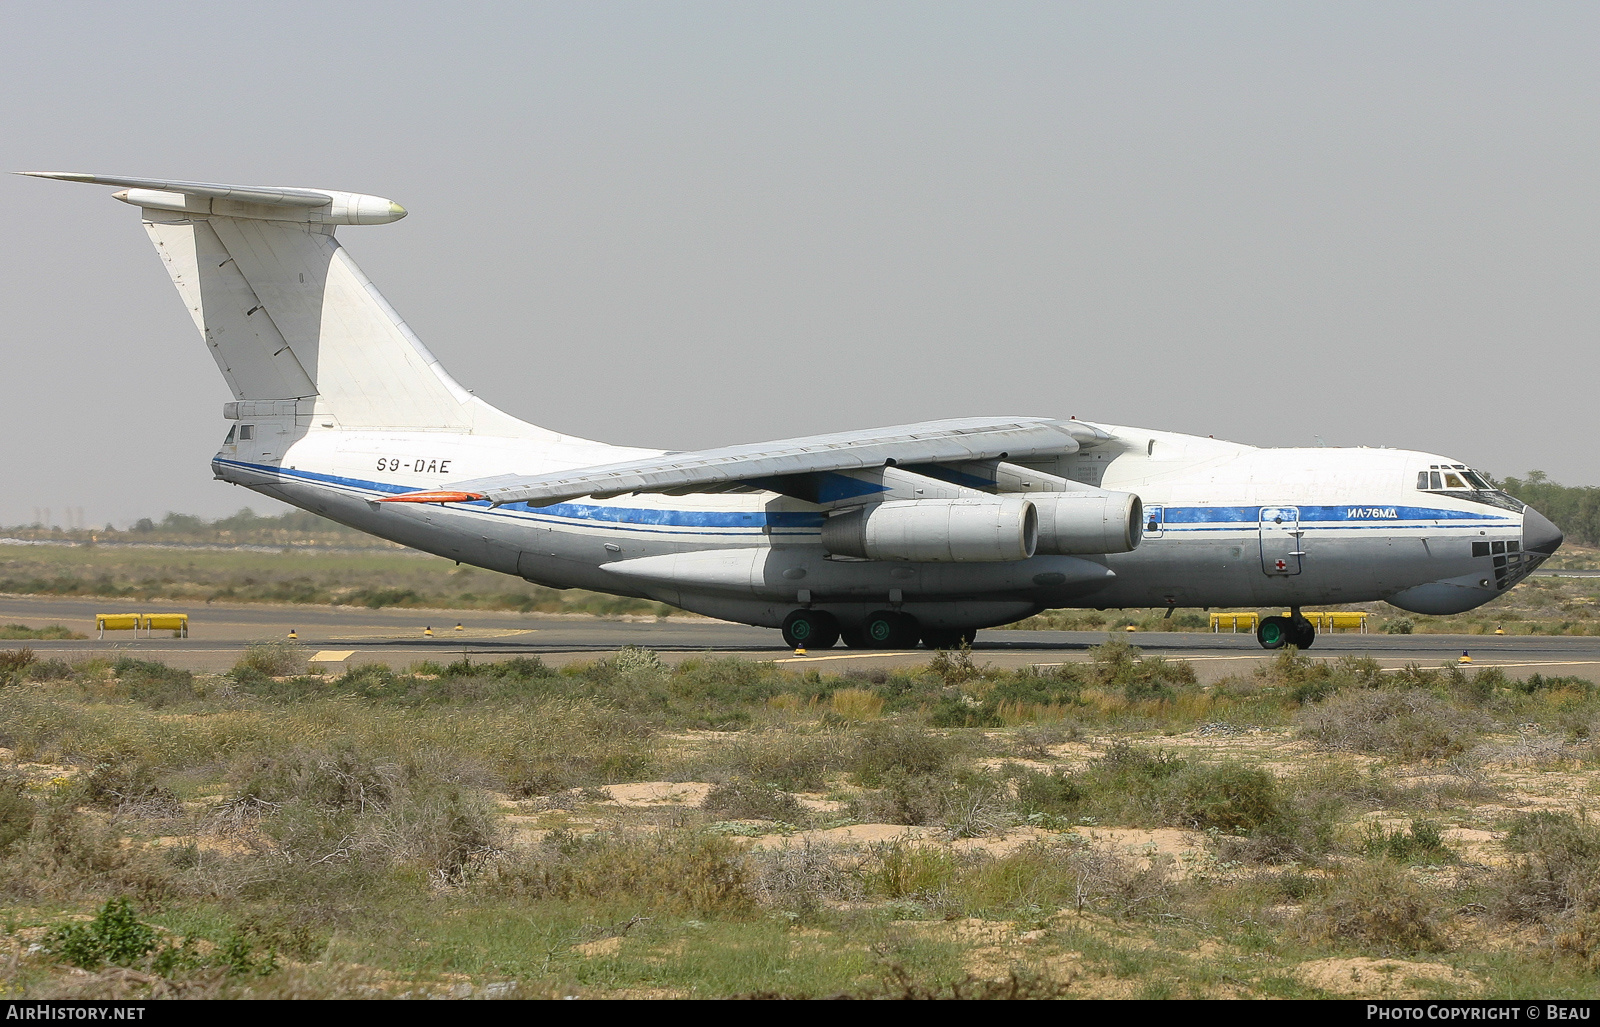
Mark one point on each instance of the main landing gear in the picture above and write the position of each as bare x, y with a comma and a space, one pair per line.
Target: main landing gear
1295, 630
810, 629
885, 629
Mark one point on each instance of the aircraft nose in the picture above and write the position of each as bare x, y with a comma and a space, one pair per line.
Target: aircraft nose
1538, 534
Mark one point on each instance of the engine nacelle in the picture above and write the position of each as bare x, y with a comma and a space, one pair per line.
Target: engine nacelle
1088, 522
937, 530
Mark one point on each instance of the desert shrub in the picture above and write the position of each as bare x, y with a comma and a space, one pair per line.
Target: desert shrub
116, 935
1410, 725
1535, 683
338, 779
560, 744
801, 878
976, 807
787, 759
957, 709
909, 870
154, 684
668, 871
67, 854
1052, 794
1227, 796
1046, 874
441, 825
16, 813
856, 704
1555, 877
1043, 686
365, 677
1119, 666
911, 750
1035, 741
1128, 781
912, 799
272, 657
633, 657
49, 670
1376, 909
751, 800
13, 662
518, 668
954, 666
965, 805
131, 787
1421, 840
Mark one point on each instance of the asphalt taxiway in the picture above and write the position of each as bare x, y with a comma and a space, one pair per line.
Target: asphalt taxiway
219, 634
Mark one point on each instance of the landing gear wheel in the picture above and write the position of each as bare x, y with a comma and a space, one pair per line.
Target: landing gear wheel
855, 638
1273, 632
889, 630
948, 638
810, 629
1301, 632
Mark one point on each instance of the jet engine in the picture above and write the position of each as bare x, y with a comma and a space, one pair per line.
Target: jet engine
936, 530
1088, 522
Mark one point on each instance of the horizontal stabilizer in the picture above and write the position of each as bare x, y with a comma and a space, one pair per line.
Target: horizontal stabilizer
325, 206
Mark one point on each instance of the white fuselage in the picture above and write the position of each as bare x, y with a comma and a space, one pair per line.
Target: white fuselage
1226, 525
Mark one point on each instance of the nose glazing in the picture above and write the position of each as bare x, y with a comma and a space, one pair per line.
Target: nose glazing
1538, 534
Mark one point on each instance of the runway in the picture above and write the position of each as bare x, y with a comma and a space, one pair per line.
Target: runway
219, 633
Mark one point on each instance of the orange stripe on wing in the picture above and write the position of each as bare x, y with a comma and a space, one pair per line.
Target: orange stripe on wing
433, 497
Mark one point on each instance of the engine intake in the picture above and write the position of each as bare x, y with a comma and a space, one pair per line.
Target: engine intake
1088, 522
936, 531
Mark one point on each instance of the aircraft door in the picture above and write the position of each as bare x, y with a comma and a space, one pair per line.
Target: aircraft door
1280, 540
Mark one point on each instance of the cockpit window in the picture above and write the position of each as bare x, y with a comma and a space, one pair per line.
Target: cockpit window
1451, 476
229, 440
1463, 482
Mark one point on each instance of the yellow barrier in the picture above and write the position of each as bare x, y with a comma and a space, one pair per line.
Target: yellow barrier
1333, 620
117, 622
178, 622
1356, 619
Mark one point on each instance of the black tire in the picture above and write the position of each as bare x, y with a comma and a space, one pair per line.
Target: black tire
887, 629
810, 629
1302, 633
1273, 632
948, 638
855, 637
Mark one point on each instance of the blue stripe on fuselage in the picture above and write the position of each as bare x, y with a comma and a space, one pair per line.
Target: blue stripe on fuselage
618, 516
1175, 518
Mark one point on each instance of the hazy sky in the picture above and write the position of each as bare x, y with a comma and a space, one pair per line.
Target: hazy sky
684, 224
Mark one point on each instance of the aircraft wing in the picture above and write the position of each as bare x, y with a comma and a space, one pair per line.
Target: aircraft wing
930, 442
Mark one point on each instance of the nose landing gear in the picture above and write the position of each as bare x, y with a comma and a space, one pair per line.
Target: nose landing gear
1295, 630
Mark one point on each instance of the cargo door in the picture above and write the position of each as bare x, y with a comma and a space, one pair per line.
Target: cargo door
1280, 540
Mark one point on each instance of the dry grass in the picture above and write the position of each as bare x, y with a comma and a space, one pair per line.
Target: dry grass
445, 833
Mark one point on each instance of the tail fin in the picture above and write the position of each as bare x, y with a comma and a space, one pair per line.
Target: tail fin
289, 317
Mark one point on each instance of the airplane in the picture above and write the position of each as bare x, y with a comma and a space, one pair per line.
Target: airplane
881, 537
